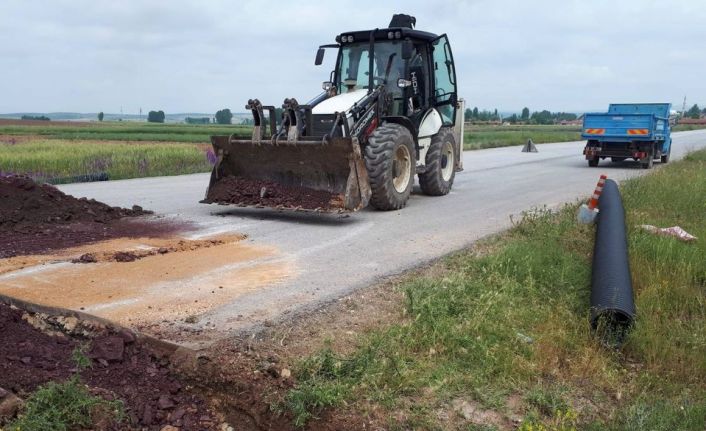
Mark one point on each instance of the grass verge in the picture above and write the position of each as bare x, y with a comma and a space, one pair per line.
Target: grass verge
503, 340
60, 161
66, 406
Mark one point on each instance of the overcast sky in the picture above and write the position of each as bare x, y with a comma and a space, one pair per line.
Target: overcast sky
201, 56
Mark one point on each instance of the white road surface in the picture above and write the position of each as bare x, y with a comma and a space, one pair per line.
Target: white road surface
334, 255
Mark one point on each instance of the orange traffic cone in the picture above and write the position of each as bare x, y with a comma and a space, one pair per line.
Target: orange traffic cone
587, 213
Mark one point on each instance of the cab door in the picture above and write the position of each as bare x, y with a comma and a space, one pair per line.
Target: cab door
444, 91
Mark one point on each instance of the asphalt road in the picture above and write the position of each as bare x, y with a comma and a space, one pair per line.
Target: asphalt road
332, 255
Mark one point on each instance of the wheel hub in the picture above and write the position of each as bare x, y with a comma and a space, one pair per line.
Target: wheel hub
447, 161
401, 169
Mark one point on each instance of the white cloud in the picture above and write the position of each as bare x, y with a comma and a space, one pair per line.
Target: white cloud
183, 56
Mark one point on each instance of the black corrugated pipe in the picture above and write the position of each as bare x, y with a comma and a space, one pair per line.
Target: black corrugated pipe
612, 304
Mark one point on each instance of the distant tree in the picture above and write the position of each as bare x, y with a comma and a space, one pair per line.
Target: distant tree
36, 117
475, 112
512, 119
100, 116
467, 114
544, 117
525, 114
224, 116
155, 117
694, 112
197, 120
703, 111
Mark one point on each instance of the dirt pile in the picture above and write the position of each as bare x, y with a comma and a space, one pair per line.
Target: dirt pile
36, 218
241, 191
121, 368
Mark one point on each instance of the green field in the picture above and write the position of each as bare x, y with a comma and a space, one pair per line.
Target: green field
57, 152
58, 161
479, 137
505, 326
126, 131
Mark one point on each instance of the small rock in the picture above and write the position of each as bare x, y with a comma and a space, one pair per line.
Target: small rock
86, 258
10, 405
69, 323
3, 393
163, 250
169, 428
286, 373
165, 402
127, 336
137, 208
109, 348
147, 415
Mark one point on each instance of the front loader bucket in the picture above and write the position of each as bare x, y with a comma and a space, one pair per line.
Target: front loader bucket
321, 176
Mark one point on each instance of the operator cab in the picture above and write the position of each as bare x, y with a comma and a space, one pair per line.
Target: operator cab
415, 68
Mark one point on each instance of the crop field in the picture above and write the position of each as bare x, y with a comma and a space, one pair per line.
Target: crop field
63, 161
63, 152
122, 131
479, 137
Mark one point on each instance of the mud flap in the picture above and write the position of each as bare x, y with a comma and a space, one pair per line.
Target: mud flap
335, 166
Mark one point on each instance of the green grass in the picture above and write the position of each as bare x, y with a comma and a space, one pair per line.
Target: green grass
57, 160
63, 407
516, 322
128, 131
479, 137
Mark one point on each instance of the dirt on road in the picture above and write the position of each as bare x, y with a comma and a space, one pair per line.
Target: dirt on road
242, 191
38, 218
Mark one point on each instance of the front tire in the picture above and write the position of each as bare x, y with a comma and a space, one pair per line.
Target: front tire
593, 162
390, 160
440, 164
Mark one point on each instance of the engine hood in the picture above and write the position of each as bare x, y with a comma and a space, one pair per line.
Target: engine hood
340, 103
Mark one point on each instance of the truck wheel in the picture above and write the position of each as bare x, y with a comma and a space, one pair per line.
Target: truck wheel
440, 162
665, 157
648, 164
593, 162
389, 158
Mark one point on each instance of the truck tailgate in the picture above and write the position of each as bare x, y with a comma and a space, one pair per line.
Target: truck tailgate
620, 126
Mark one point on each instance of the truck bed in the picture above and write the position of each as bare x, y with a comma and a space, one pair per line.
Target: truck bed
623, 127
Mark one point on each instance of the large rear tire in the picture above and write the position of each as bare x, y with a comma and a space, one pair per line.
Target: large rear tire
438, 178
390, 160
665, 157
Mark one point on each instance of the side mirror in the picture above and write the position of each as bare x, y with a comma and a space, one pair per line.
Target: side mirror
407, 49
319, 56
327, 85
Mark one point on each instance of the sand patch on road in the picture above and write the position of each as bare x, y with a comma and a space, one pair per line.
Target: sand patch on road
191, 278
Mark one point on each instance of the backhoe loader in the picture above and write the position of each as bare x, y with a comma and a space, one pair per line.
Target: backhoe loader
390, 110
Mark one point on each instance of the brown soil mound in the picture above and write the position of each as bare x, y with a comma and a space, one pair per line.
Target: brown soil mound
36, 218
122, 368
241, 191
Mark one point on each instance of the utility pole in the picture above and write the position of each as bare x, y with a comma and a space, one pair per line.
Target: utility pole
140, 113
683, 107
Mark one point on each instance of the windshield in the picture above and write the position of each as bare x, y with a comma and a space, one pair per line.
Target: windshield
354, 64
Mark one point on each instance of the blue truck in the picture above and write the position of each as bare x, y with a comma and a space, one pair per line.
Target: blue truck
638, 131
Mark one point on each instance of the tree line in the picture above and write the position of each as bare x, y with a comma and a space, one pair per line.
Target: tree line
695, 112
537, 117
